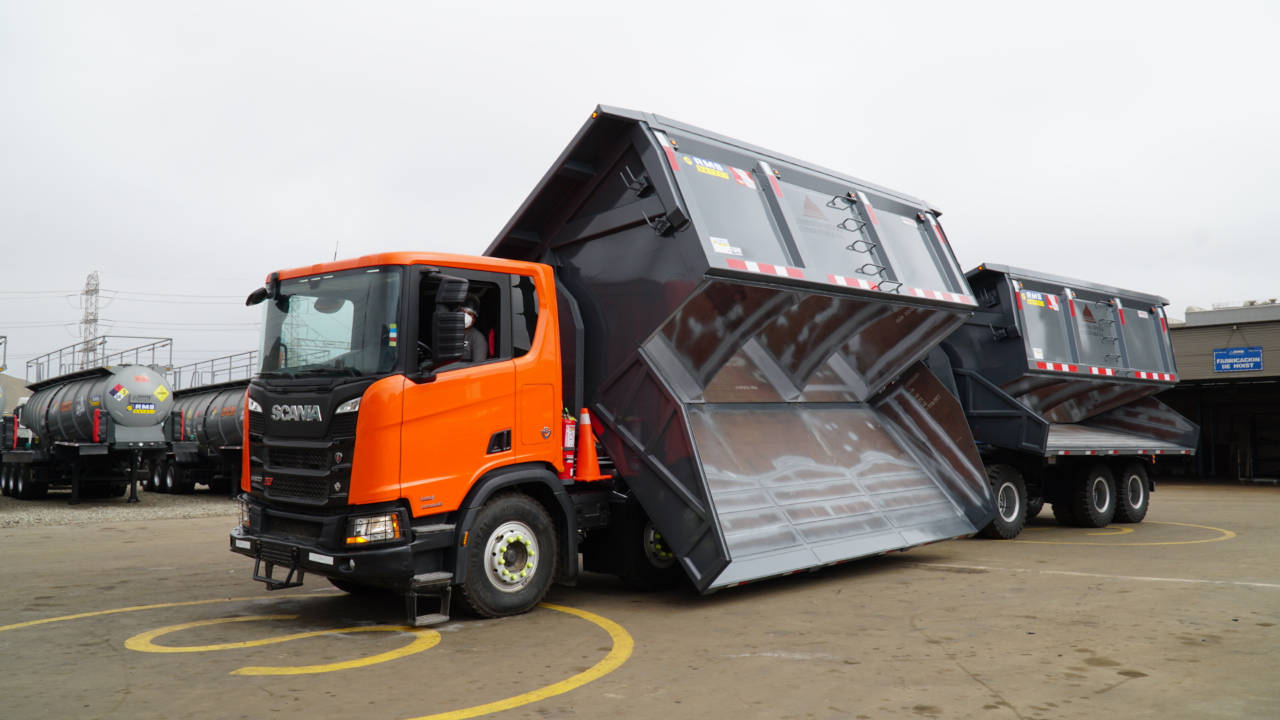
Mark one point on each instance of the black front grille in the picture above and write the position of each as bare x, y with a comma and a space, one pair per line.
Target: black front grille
343, 425
299, 488
302, 458
293, 528
256, 424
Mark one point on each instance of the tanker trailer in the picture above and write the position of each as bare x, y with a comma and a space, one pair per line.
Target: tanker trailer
92, 429
206, 427
1057, 378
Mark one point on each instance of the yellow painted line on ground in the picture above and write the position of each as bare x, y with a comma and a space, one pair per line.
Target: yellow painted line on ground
425, 639
1104, 576
1114, 531
157, 606
618, 654
1222, 535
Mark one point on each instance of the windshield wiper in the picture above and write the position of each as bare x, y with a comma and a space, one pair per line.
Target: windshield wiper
327, 370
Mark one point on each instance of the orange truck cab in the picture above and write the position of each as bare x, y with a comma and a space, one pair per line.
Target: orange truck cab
746, 330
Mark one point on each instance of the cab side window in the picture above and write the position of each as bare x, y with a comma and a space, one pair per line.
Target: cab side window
524, 314
487, 310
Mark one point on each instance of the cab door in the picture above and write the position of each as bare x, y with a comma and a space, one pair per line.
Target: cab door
459, 425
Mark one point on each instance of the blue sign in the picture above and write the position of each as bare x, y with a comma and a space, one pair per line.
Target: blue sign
1239, 359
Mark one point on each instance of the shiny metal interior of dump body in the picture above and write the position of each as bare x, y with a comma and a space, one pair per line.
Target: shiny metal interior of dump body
752, 331
1084, 359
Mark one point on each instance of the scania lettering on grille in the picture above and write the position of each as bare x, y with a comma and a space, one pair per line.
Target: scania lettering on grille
296, 413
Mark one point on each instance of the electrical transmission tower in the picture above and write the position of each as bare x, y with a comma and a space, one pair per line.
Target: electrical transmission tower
89, 322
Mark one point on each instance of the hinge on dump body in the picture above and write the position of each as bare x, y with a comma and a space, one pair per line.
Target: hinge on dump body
640, 184
1004, 332
432, 585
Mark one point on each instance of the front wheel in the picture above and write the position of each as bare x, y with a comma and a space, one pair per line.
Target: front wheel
1132, 496
1011, 503
512, 561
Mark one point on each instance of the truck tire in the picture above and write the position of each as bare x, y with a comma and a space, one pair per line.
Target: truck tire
160, 472
1034, 506
155, 476
1094, 501
175, 479
1132, 496
512, 558
1011, 503
5, 488
645, 562
1063, 514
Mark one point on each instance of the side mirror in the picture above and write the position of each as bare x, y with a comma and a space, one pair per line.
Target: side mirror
448, 335
257, 296
452, 291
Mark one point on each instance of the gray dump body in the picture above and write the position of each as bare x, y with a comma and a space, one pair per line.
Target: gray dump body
1055, 366
751, 334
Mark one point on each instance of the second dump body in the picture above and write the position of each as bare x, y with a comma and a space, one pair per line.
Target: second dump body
746, 329
1057, 377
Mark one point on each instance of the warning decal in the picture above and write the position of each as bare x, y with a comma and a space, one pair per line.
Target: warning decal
119, 392
161, 393
812, 210
724, 247
743, 177
1052, 300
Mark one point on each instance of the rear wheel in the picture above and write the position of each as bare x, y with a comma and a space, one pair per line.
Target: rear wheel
1011, 503
644, 561
155, 476
175, 479
512, 561
1132, 496
1094, 501
5, 488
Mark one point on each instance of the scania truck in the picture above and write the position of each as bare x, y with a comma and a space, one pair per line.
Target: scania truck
740, 333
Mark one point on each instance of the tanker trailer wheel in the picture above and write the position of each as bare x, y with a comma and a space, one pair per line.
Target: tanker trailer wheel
37, 488
644, 560
175, 479
511, 558
1011, 503
1034, 506
1094, 497
159, 471
5, 488
1132, 497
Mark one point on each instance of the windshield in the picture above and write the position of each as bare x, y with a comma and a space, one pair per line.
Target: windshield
342, 323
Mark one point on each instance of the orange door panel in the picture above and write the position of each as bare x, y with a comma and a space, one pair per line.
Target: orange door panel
448, 425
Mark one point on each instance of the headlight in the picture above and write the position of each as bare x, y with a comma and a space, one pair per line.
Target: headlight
244, 512
254, 406
351, 405
373, 528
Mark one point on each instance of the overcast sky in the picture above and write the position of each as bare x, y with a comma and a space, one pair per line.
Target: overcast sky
185, 150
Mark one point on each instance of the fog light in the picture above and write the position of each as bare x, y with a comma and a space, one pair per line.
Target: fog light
244, 512
373, 528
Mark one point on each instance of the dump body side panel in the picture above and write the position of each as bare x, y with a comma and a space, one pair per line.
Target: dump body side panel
749, 320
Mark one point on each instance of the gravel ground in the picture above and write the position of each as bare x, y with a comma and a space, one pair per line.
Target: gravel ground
54, 509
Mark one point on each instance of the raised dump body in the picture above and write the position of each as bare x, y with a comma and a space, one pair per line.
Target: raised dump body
749, 328
1055, 374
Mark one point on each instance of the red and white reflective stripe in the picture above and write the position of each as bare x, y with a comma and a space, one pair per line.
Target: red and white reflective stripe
766, 268
773, 181
1057, 367
1109, 372
871, 212
852, 282
937, 229
1166, 377
1120, 310
941, 295
743, 177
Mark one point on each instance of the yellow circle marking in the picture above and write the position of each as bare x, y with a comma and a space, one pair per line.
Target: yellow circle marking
1114, 531
425, 639
1222, 535
618, 654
